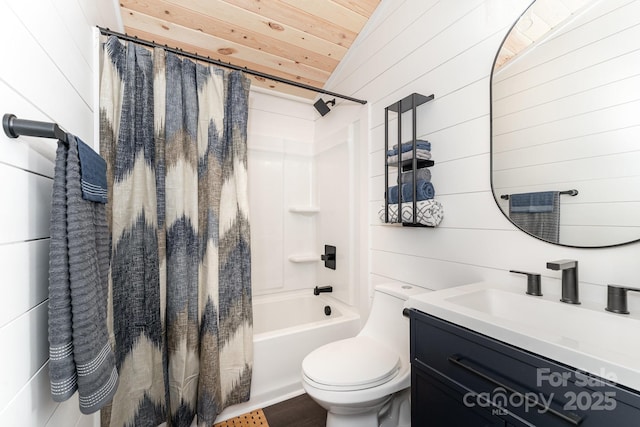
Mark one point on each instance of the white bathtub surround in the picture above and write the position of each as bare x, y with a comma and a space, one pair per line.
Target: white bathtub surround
280, 174
302, 195
287, 327
335, 185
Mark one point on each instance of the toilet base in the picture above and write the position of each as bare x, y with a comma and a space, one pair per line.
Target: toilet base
398, 412
366, 419
393, 411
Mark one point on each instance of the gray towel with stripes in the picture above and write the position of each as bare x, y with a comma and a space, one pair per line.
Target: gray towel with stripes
80, 354
537, 214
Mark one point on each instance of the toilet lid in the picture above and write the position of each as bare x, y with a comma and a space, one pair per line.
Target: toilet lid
354, 364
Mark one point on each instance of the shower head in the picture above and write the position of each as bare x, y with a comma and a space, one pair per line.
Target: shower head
323, 107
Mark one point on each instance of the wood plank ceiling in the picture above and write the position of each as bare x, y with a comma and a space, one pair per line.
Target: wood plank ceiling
300, 40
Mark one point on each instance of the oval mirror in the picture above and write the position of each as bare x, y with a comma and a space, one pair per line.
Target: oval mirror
565, 122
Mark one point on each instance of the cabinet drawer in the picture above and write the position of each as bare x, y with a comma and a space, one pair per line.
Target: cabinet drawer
527, 386
443, 405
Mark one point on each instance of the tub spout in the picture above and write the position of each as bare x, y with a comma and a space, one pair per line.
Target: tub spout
318, 289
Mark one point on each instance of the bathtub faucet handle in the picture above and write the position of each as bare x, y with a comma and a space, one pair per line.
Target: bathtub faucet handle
329, 257
318, 289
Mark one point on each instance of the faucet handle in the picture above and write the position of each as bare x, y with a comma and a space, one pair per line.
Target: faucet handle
533, 282
617, 298
329, 257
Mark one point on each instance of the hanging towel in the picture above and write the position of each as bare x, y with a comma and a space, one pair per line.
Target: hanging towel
420, 154
428, 212
80, 354
424, 191
532, 202
93, 170
537, 214
407, 146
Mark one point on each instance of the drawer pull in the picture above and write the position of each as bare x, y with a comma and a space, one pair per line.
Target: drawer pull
569, 417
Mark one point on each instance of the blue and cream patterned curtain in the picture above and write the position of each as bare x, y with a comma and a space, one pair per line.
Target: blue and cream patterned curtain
173, 134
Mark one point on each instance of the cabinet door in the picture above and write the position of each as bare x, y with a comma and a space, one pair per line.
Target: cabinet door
436, 404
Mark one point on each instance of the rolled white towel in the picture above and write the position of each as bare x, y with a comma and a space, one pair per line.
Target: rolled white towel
428, 212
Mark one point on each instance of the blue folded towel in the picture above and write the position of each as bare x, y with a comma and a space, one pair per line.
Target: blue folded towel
532, 202
408, 146
424, 191
93, 172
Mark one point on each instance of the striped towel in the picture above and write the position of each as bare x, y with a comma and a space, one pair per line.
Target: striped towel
80, 354
93, 173
537, 214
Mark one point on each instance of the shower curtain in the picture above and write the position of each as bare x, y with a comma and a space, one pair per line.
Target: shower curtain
173, 133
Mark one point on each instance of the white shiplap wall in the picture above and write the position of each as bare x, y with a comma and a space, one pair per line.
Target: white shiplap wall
47, 74
447, 48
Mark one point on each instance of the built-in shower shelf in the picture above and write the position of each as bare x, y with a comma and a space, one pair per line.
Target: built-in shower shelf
298, 258
305, 210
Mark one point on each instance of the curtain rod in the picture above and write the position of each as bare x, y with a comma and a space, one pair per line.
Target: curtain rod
135, 39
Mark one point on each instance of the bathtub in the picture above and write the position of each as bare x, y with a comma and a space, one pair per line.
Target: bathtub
286, 328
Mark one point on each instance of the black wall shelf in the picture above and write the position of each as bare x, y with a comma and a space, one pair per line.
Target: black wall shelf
407, 165
408, 104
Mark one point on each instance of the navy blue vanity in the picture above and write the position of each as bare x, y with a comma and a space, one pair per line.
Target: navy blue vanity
462, 378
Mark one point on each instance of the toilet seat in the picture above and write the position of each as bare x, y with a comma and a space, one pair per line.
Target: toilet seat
351, 364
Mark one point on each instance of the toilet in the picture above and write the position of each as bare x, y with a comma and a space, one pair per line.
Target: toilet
364, 381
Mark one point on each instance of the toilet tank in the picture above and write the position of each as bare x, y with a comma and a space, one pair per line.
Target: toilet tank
386, 322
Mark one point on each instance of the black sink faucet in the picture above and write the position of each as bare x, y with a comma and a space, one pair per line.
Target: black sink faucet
569, 269
318, 289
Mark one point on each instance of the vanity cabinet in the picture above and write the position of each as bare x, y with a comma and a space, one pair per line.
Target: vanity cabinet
461, 377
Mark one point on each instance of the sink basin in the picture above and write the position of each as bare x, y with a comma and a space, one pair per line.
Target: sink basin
564, 323
497, 302
583, 336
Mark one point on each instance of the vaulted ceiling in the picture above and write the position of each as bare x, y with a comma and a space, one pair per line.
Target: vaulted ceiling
300, 40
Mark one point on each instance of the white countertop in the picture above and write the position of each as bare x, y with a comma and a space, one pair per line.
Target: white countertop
583, 336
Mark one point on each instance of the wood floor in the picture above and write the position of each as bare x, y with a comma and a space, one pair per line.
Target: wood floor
300, 411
